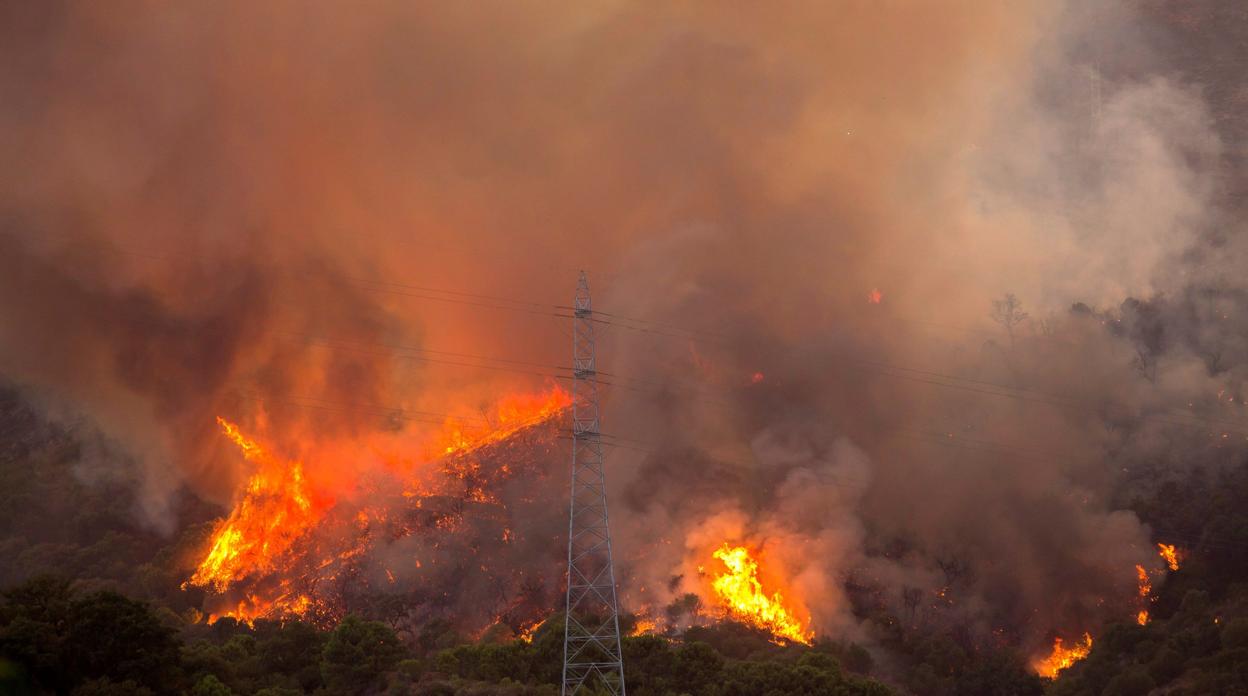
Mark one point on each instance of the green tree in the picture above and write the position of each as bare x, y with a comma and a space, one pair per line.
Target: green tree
104, 638
211, 686
107, 687
358, 654
292, 649
33, 621
697, 666
110, 635
1131, 682
997, 673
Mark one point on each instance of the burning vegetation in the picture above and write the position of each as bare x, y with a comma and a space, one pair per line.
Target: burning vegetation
300, 546
274, 512
1171, 555
742, 596
1063, 656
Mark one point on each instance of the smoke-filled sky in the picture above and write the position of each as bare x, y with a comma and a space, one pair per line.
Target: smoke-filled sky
206, 207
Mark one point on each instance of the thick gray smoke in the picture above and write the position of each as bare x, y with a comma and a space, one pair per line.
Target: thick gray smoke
207, 204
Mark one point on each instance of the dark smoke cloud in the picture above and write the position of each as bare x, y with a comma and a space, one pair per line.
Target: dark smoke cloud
197, 196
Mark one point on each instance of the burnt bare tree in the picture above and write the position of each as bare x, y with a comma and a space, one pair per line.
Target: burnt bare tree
1008, 312
1143, 323
955, 567
911, 597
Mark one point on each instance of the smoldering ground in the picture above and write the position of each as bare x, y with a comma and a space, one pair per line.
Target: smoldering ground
198, 197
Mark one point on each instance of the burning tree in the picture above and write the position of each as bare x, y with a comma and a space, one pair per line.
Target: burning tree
743, 597
445, 531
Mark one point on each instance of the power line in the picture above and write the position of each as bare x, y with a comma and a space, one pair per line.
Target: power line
368, 409
916, 375
1166, 535
475, 296
402, 350
663, 329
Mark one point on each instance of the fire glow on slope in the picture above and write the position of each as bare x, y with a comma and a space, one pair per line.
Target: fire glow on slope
264, 549
1063, 656
742, 595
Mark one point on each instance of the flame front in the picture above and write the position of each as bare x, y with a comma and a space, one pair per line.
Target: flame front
276, 509
742, 594
512, 414
1063, 657
262, 551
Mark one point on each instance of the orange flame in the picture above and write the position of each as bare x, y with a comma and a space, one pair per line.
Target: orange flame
644, 626
1171, 555
512, 414
1063, 657
1145, 589
1145, 586
875, 296
278, 508
743, 596
527, 632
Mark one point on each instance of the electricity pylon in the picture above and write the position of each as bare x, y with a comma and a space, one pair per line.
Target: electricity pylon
591, 636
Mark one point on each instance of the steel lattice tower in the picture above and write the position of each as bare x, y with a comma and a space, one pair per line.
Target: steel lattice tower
591, 638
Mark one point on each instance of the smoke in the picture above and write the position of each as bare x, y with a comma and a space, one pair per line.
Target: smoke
211, 209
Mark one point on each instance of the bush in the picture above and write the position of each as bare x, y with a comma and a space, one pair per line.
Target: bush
357, 656
1235, 634
211, 686
1135, 681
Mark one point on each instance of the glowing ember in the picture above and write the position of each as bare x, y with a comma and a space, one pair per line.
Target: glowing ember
1063, 657
875, 296
1170, 554
742, 594
756, 378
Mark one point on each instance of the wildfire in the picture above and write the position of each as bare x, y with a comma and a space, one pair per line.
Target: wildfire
276, 509
512, 414
263, 553
1146, 586
875, 296
527, 631
1170, 554
644, 626
742, 594
1145, 589
1063, 656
